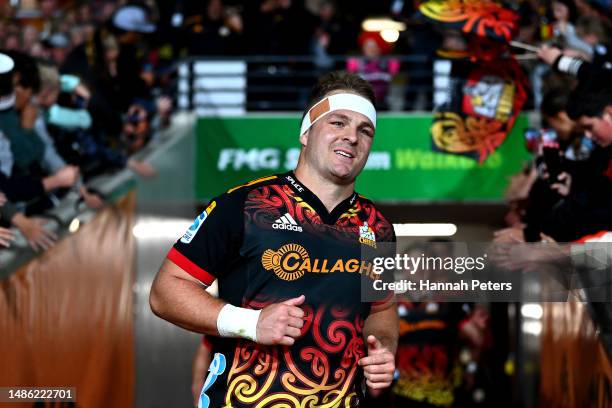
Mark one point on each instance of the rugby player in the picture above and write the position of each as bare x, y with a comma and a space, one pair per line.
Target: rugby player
289, 327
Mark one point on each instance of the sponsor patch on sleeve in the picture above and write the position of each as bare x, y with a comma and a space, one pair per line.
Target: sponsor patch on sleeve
197, 223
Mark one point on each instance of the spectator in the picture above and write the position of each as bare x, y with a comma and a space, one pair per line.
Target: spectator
372, 67
18, 122
26, 148
6, 236
110, 63
585, 206
213, 29
565, 16
29, 37
270, 27
592, 31
574, 66
58, 47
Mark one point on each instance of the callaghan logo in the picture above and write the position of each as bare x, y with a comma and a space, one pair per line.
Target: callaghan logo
292, 261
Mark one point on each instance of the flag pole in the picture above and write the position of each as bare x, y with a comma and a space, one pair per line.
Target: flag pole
527, 47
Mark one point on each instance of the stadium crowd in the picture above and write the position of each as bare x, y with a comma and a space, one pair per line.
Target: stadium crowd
565, 193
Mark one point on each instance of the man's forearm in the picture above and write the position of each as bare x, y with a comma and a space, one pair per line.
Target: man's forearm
384, 325
184, 303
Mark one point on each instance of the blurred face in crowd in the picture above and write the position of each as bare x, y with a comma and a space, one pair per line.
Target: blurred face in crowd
111, 54
22, 95
58, 55
598, 128
12, 42
560, 11
48, 95
327, 11
370, 49
37, 50
47, 7
84, 14
77, 36
562, 124
337, 146
30, 35
590, 38
215, 10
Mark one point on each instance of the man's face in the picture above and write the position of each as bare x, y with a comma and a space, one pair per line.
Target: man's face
562, 124
338, 145
598, 128
48, 96
22, 95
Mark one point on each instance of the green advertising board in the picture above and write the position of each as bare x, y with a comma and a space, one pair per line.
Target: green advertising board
402, 166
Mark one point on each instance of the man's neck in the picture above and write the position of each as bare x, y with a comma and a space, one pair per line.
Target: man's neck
331, 194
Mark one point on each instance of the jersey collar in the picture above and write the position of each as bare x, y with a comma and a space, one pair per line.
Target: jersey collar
308, 196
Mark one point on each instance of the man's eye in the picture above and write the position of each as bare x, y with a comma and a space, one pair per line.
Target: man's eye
367, 132
338, 124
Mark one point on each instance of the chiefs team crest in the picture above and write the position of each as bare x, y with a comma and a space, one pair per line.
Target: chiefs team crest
366, 235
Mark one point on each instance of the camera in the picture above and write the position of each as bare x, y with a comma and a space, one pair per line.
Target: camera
544, 142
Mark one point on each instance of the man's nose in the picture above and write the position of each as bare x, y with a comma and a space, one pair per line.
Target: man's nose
351, 135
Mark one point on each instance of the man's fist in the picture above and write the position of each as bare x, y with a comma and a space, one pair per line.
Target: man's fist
378, 366
549, 54
281, 323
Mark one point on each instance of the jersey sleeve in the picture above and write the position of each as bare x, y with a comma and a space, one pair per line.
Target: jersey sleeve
212, 243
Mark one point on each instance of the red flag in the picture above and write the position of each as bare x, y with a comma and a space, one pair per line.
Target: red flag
483, 18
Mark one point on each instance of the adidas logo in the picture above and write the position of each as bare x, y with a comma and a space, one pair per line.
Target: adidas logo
286, 222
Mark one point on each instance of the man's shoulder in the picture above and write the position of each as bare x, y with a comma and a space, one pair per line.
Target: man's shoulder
250, 185
238, 194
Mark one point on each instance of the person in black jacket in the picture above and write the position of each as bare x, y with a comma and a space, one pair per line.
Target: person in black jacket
586, 207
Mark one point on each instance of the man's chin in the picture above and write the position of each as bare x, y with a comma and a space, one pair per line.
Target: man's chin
343, 176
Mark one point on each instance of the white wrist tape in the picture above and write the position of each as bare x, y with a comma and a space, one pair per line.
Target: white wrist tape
569, 65
238, 322
336, 102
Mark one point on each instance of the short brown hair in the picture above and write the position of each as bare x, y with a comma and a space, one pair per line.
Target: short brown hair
339, 80
591, 25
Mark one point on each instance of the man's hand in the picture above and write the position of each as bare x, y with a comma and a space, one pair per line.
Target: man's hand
92, 200
378, 366
67, 176
281, 323
549, 54
6, 236
509, 235
33, 229
143, 169
564, 185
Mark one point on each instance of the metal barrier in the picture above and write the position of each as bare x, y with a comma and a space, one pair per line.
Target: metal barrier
213, 86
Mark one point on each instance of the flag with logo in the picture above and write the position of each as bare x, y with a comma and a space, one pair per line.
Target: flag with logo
481, 104
486, 88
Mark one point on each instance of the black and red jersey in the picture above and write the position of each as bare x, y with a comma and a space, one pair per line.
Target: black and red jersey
427, 352
271, 240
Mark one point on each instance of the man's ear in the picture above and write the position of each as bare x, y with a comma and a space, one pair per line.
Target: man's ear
304, 138
608, 113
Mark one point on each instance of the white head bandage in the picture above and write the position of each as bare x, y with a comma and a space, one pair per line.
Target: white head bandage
336, 102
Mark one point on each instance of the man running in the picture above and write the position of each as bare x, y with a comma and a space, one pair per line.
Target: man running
289, 327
